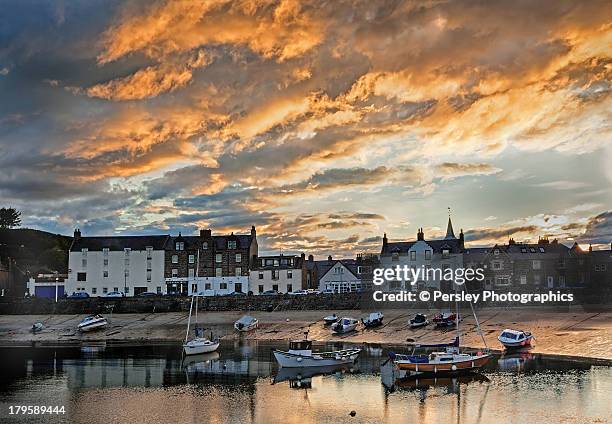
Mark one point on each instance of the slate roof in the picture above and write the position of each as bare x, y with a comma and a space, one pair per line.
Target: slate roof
119, 243
437, 245
323, 267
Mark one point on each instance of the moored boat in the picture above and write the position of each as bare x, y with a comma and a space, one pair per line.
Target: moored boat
515, 339
300, 355
445, 319
37, 326
344, 325
447, 362
419, 320
375, 319
330, 319
92, 322
199, 344
246, 323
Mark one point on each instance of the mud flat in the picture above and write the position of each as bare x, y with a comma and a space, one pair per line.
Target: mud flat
571, 333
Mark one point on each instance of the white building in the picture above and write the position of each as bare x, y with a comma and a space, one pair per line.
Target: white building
281, 273
339, 276
130, 264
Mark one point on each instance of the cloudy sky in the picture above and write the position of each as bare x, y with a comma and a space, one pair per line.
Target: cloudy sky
323, 123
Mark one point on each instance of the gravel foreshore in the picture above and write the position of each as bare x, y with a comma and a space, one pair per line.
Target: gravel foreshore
574, 333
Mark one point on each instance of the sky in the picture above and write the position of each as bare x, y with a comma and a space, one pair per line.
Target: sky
324, 124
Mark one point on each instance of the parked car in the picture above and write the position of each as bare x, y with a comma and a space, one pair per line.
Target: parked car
237, 293
115, 294
313, 291
298, 293
270, 293
78, 295
147, 294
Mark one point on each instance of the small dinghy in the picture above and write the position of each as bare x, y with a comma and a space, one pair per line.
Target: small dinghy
36, 327
419, 320
445, 319
246, 323
515, 339
92, 322
375, 319
300, 355
330, 319
345, 325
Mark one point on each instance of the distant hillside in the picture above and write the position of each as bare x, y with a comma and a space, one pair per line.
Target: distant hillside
35, 251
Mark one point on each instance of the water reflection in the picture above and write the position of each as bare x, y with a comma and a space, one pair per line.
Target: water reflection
242, 383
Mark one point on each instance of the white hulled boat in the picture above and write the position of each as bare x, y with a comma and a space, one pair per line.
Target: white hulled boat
92, 322
198, 344
330, 319
373, 320
515, 339
300, 355
246, 323
344, 325
419, 320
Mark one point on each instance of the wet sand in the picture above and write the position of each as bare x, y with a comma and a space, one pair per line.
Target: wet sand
575, 333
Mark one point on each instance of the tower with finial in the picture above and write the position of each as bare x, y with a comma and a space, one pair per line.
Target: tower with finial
450, 234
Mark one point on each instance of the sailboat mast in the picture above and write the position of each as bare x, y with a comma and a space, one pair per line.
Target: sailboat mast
189, 321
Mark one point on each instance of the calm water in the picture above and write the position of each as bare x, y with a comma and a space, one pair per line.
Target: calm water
242, 384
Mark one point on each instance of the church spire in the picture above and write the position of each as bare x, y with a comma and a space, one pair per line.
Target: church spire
450, 234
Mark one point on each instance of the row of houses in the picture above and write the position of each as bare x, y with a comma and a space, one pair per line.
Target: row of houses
210, 264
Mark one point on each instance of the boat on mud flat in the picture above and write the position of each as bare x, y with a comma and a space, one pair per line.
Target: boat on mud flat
92, 322
330, 319
375, 319
199, 344
419, 320
246, 323
300, 355
344, 325
515, 339
445, 319
37, 327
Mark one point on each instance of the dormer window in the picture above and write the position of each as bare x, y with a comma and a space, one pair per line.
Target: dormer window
179, 245
542, 250
496, 252
205, 245
231, 244
413, 255
428, 255
445, 253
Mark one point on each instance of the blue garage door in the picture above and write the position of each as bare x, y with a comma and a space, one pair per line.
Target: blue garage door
48, 291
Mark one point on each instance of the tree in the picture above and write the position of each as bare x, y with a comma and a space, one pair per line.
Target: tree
9, 218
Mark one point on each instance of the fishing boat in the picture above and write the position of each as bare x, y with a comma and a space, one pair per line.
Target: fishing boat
246, 323
344, 325
419, 320
330, 319
92, 322
375, 319
37, 326
449, 361
515, 339
300, 355
199, 344
445, 319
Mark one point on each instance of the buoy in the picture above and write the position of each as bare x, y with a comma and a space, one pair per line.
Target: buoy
454, 368
287, 319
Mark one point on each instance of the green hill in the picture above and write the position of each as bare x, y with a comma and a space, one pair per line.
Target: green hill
35, 251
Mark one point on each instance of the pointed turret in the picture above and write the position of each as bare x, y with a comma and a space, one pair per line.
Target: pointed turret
450, 234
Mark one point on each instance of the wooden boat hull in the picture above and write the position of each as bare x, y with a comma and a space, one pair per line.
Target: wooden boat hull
458, 367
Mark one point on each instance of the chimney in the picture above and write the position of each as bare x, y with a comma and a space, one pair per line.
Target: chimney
310, 258
253, 231
590, 247
303, 256
461, 239
206, 233
420, 234
511, 241
385, 241
329, 258
77, 233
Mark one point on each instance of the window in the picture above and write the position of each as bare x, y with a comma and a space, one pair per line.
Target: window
205, 245
413, 255
174, 272
105, 262
149, 252
191, 259
600, 267
550, 281
231, 244
191, 273
179, 245
105, 251
148, 276
148, 264
562, 281
537, 264
289, 274
116, 289
532, 250
207, 286
289, 288
238, 272
218, 272
94, 290
339, 270
497, 265
275, 287
127, 289
395, 256
260, 289
105, 273
523, 279
218, 258
104, 290
223, 286
158, 290
428, 255
127, 262
238, 257
127, 251
542, 250
81, 276
496, 252
84, 263
502, 281
523, 250
84, 251
175, 259
261, 275
194, 288
275, 274
269, 262
536, 279
445, 253
276, 262
127, 272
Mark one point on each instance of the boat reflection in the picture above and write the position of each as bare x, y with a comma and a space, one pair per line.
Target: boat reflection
515, 362
300, 378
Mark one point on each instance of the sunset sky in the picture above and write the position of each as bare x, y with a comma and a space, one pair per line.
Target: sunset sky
323, 123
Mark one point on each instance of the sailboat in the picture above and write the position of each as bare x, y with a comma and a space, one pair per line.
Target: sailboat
199, 344
450, 361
